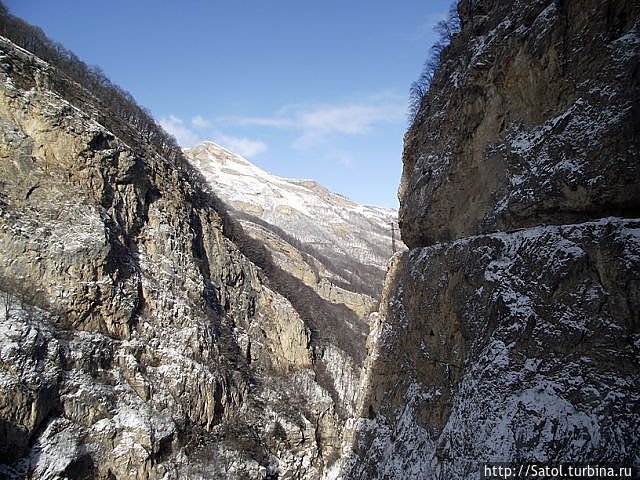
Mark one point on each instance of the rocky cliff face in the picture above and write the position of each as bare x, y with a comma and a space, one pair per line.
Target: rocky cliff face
136, 340
510, 330
546, 123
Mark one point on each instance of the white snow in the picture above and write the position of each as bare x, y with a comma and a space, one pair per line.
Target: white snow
302, 208
512, 399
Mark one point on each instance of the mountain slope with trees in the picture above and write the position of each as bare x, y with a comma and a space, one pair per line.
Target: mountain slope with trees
143, 332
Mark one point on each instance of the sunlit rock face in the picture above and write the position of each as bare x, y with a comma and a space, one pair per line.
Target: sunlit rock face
531, 118
510, 331
136, 339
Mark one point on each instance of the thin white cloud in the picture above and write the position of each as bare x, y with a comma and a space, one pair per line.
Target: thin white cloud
175, 126
200, 122
341, 157
317, 123
242, 146
323, 122
187, 137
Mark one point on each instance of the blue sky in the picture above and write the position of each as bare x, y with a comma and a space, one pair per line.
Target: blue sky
302, 89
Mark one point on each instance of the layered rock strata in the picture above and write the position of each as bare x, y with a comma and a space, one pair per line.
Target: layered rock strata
510, 331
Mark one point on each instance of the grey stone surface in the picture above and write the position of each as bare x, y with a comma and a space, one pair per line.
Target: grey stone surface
136, 340
532, 118
510, 331
506, 347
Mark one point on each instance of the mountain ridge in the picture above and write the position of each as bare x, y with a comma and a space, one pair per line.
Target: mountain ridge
311, 236
356, 238
307, 182
136, 337
303, 196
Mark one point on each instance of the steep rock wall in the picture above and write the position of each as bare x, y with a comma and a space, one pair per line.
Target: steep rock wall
531, 118
510, 331
136, 341
511, 347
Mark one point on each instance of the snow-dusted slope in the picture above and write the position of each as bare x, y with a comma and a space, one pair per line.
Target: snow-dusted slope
327, 255
136, 339
302, 208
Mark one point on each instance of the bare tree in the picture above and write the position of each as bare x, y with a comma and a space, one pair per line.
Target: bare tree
446, 30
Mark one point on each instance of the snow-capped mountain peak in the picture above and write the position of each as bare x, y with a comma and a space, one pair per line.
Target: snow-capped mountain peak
302, 208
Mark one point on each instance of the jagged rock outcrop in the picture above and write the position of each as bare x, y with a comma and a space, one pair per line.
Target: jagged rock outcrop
510, 331
136, 340
546, 122
515, 347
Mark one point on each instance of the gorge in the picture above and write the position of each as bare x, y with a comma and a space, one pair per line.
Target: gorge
173, 314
